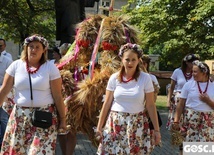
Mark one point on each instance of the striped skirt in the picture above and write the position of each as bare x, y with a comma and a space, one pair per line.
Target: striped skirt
22, 138
126, 134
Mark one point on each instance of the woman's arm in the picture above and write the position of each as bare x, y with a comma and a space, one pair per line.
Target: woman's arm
6, 87
178, 112
171, 90
56, 90
179, 109
151, 108
105, 110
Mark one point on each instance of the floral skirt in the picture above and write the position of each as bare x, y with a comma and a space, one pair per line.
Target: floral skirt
22, 138
199, 126
126, 134
9, 103
172, 109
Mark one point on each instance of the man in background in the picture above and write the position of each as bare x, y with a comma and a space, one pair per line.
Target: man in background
5, 61
3, 49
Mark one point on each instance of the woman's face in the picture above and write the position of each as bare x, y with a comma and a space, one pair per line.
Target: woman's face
130, 60
35, 50
198, 75
189, 65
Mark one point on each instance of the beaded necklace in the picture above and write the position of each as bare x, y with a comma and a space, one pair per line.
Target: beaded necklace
199, 88
31, 71
126, 80
187, 76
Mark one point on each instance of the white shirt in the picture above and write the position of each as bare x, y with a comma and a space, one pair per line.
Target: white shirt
191, 93
155, 80
52, 61
7, 54
40, 83
129, 97
4, 64
180, 79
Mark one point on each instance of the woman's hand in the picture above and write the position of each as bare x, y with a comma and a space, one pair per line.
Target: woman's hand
204, 97
62, 127
98, 134
175, 126
157, 137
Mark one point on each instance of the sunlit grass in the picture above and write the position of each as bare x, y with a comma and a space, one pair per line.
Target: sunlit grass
161, 102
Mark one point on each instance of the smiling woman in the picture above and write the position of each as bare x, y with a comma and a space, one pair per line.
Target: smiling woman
33, 73
196, 104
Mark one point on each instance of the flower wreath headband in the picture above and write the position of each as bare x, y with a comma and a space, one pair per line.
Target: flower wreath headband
36, 38
201, 65
191, 57
134, 47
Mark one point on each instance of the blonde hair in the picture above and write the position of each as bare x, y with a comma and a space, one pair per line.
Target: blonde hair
24, 54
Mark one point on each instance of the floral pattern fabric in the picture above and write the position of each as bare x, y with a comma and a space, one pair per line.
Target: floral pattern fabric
126, 134
9, 103
199, 126
22, 138
172, 109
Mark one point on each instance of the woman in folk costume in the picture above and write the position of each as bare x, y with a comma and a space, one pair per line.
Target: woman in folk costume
86, 102
197, 100
123, 124
22, 137
179, 77
91, 90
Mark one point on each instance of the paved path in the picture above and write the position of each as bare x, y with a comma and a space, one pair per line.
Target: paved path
84, 146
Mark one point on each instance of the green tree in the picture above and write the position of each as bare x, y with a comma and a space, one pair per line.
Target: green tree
174, 28
21, 18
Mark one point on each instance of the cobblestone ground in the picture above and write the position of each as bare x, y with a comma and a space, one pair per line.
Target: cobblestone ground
84, 146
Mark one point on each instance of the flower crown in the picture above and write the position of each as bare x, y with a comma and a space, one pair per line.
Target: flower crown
134, 47
191, 57
36, 38
201, 66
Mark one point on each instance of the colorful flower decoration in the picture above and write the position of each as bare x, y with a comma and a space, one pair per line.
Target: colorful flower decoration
134, 47
83, 43
191, 57
36, 38
201, 65
109, 46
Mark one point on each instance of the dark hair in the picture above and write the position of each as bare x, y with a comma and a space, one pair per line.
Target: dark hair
146, 59
3, 40
188, 58
56, 49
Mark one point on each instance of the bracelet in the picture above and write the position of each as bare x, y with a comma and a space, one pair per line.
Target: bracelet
156, 130
175, 122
